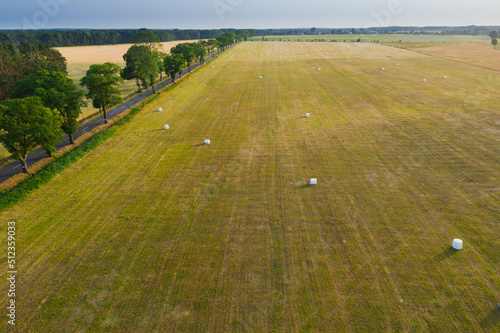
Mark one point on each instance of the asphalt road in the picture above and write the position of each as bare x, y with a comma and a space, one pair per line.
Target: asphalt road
16, 167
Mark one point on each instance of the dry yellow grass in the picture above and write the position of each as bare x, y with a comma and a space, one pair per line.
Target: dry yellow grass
104, 53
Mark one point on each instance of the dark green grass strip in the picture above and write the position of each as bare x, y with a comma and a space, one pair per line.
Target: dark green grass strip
9, 198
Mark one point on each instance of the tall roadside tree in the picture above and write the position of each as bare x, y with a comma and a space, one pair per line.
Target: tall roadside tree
57, 92
148, 69
199, 51
25, 124
174, 63
141, 65
140, 62
160, 56
101, 82
132, 62
187, 52
213, 44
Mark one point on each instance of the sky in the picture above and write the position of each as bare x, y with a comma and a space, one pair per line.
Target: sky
258, 14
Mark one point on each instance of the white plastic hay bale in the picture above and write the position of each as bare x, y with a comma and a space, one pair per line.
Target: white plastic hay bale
319, 69
313, 181
160, 109
207, 142
313, 68
307, 115
445, 77
212, 66
457, 244
397, 64
260, 77
424, 80
167, 127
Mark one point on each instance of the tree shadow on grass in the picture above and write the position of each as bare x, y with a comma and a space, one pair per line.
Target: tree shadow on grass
492, 320
445, 254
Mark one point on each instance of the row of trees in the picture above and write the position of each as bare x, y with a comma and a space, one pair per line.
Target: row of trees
38, 103
145, 60
44, 105
58, 38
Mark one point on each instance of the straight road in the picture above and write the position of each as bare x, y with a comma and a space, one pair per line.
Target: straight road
16, 167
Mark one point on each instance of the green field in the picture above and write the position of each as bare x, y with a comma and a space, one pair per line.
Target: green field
382, 38
156, 232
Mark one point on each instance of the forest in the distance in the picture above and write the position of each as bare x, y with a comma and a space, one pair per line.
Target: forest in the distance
85, 37
61, 38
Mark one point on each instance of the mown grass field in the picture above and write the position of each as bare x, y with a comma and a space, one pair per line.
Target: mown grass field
156, 232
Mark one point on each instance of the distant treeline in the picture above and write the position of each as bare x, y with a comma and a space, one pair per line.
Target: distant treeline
466, 30
68, 37
59, 38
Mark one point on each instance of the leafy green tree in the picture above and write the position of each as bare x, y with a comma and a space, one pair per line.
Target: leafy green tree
101, 82
133, 59
227, 40
187, 52
57, 92
174, 64
494, 34
148, 69
494, 41
160, 56
25, 124
213, 44
141, 65
199, 51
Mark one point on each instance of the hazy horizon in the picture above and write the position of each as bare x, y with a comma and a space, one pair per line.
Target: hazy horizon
239, 14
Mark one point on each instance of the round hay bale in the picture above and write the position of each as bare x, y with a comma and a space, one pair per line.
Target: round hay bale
457, 244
